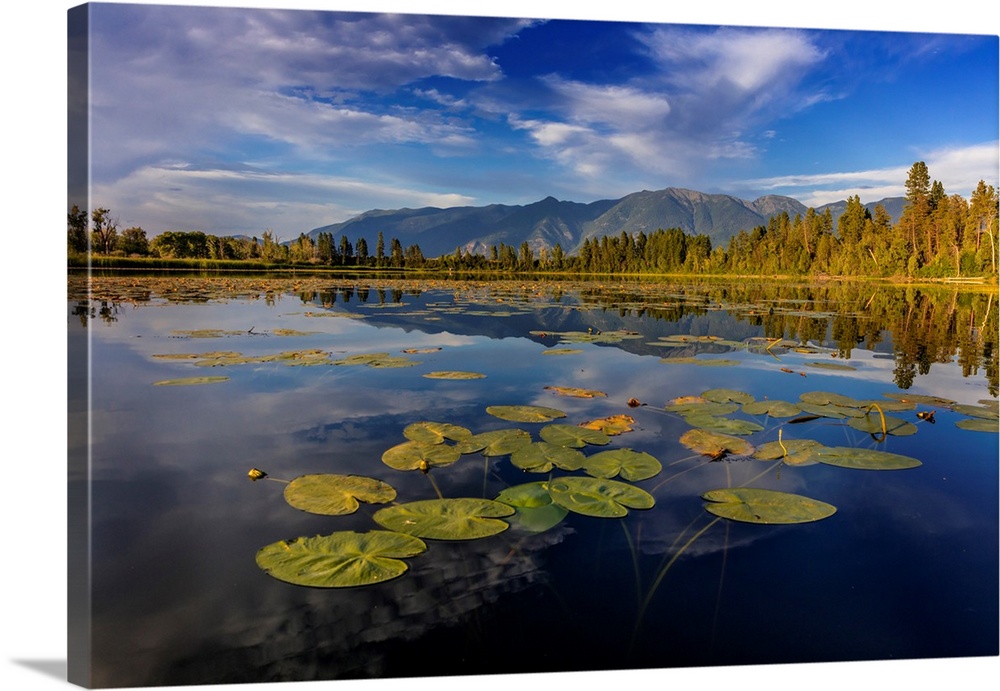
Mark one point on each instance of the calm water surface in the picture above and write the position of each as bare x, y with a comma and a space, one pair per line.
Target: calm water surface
905, 568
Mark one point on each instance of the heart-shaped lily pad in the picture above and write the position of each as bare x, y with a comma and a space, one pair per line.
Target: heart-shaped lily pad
190, 381
767, 506
612, 425
791, 451
772, 408
573, 436
625, 463
435, 432
727, 396
525, 413
598, 497
978, 424
416, 455
454, 375
446, 519
543, 456
723, 425
864, 459
336, 495
713, 444
341, 560
872, 423
535, 512
500, 442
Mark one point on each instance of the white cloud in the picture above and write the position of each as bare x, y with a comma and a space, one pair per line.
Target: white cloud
959, 170
235, 200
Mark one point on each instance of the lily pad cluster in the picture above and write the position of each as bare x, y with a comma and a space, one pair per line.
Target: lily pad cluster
348, 558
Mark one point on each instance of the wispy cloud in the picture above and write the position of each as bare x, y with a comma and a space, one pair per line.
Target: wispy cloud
958, 169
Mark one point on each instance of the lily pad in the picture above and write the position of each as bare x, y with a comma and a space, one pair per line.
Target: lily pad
832, 366
772, 408
978, 424
699, 406
864, 459
435, 432
562, 351
699, 361
713, 444
727, 396
499, 442
446, 519
417, 455
978, 411
872, 423
341, 560
766, 506
336, 495
575, 392
535, 512
190, 381
724, 425
376, 360
625, 463
573, 436
921, 399
829, 398
543, 456
598, 497
454, 375
525, 413
612, 425
794, 451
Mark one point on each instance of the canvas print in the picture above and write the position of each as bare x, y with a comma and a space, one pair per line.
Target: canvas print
421, 345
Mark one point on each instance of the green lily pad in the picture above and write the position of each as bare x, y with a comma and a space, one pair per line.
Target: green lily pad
336, 495
543, 456
832, 366
772, 408
190, 381
417, 455
341, 560
935, 401
727, 396
376, 360
872, 423
454, 375
435, 432
765, 506
978, 411
525, 413
573, 436
723, 425
828, 398
710, 443
703, 362
794, 452
499, 442
562, 351
535, 512
834, 412
978, 424
626, 463
446, 519
598, 497
699, 406
864, 459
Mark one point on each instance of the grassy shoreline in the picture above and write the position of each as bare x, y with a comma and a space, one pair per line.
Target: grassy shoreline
229, 266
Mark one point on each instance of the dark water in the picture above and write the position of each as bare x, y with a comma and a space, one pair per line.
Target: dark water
906, 568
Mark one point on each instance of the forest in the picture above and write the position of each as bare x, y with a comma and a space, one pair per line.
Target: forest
938, 235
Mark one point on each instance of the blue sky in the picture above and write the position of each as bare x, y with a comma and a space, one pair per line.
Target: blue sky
233, 120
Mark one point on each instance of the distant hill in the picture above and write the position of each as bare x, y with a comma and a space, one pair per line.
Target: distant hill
550, 221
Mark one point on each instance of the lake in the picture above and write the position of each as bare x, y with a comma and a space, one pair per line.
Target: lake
862, 417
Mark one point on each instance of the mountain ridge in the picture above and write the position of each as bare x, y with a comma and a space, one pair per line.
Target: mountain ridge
543, 224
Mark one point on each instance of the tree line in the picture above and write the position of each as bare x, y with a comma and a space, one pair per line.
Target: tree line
937, 235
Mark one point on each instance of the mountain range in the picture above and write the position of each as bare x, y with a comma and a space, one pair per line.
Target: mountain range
549, 221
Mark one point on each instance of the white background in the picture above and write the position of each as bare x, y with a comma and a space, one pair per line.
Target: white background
33, 461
